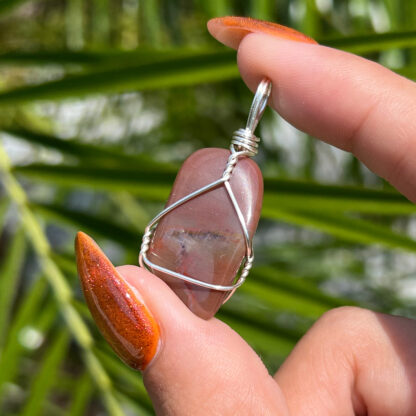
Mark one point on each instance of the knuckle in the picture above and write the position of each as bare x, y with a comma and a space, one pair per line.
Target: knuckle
345, 313
346, 321
339, 336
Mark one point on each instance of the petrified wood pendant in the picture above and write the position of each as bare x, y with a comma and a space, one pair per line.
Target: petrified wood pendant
202, 239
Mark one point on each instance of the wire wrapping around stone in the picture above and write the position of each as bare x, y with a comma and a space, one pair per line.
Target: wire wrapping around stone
223, 181
244, 144
245, 139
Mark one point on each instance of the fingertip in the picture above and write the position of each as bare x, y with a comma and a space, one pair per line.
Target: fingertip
340, 98
260, 55
314, 87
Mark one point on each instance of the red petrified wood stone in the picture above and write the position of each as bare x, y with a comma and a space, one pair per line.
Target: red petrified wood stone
203, 237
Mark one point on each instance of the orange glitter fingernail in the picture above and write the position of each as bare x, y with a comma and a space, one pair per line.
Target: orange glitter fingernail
230, 30
121, 316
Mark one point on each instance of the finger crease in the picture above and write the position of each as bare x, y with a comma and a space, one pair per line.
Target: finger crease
353, 142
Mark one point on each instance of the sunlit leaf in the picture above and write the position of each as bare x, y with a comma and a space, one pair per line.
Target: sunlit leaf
348, 228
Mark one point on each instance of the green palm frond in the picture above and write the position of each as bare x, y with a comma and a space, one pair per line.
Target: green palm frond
100, 104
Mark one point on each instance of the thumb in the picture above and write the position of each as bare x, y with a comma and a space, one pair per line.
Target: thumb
190, 366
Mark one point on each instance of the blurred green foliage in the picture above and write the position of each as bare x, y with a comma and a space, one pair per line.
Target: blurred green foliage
101, 100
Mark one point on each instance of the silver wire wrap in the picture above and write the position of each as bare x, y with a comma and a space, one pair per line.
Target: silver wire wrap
244, 144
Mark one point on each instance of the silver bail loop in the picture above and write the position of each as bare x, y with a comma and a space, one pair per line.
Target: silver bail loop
244, 140
259, 104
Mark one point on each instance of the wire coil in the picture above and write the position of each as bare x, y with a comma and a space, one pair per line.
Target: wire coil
243, 144
244, 139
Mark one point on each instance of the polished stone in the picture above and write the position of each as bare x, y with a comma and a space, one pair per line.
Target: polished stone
203, 238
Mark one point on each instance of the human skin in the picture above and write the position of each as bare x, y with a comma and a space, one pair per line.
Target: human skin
352, 361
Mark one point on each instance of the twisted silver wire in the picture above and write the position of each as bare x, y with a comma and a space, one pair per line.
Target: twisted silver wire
244, 144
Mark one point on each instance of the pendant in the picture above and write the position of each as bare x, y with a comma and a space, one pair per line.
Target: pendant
201, 243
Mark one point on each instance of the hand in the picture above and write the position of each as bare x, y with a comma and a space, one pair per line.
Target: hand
352, 361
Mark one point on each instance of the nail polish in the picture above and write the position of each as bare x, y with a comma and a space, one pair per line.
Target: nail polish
230, 30
121, 316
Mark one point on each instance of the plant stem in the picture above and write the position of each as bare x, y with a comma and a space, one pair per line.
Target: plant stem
60, 287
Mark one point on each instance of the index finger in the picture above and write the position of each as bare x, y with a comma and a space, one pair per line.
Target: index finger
345, 100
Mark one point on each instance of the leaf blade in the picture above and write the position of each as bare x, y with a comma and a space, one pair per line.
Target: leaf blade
208, 67
46, 377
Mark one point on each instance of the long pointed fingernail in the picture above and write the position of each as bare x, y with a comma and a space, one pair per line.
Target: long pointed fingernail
230, 30
121, 316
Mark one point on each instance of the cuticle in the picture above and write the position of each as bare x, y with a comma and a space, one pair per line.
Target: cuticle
160, 346
160, 343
